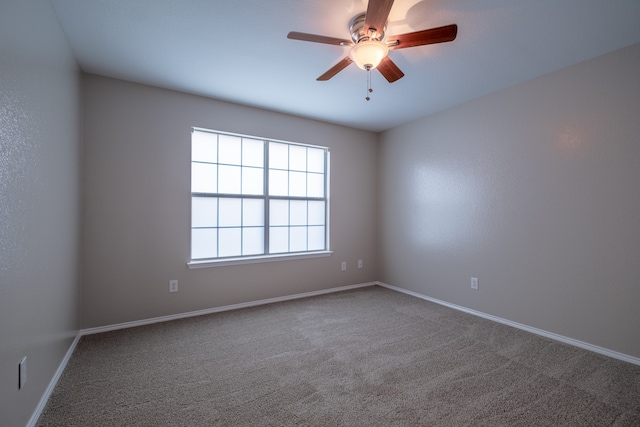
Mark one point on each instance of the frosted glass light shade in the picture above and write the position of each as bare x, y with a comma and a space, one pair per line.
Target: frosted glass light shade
368, 54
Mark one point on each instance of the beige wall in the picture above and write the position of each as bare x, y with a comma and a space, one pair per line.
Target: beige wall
137, 205
39, 202
535, 190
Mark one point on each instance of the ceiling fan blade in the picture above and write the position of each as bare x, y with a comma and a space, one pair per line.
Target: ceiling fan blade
424, 37
294, 35
377, 14
335, 69
390, 70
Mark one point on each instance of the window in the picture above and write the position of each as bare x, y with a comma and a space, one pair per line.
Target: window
253, 198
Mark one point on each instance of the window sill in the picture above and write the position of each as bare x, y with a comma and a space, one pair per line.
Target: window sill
255, 260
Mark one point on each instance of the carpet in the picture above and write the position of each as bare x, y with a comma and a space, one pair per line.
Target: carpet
364, 357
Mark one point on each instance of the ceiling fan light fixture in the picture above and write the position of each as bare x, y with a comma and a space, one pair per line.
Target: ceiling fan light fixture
368, 54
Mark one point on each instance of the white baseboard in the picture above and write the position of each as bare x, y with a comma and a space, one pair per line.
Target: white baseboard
52, 384
551, 335
135, 323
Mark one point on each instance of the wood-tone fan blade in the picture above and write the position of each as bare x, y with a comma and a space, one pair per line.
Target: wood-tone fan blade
294, 35
377, 14
390, 70
335, 69
420, 38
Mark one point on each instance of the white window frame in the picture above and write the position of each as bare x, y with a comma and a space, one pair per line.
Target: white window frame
266, 197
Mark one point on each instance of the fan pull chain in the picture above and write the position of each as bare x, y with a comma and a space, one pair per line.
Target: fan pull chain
369, 90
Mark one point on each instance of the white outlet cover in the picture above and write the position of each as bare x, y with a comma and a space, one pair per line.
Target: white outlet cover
474, 283
173, 286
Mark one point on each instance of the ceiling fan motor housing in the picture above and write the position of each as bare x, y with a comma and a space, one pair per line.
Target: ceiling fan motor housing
356, 28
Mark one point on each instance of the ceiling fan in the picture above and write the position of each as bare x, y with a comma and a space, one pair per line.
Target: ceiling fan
369, 49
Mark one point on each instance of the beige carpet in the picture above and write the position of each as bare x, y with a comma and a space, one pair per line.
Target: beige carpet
367, 357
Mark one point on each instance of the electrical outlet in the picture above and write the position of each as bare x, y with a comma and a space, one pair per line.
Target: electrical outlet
173, 286
343, 266
22, 372
474, 283
359, 263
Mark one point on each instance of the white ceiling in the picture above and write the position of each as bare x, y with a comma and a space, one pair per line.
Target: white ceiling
237, 50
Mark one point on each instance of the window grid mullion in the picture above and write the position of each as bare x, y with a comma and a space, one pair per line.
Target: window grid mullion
289, 226
241, 199
326, 198
307, 224
218, 199
267, 200
218, 227
229, 195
